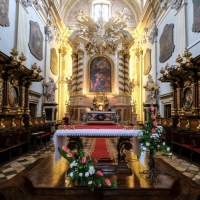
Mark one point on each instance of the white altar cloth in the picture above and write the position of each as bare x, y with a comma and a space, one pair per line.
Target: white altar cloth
59, 141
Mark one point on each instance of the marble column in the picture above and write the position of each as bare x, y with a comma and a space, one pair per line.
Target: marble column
80, 72
74, 72
121, 72
126, 74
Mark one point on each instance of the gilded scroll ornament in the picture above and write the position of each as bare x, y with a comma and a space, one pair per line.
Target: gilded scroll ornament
13, 123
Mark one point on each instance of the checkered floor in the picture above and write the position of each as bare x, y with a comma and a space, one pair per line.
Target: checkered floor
10, 169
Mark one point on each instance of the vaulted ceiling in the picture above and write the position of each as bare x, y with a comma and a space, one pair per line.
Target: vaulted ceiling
68, 9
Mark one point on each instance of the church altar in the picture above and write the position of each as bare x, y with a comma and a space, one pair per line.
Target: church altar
100, 117
60, 137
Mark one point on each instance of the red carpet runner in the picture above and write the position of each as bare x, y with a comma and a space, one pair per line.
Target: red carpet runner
100, 149
98, 127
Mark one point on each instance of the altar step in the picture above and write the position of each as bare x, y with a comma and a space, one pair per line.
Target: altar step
47, 180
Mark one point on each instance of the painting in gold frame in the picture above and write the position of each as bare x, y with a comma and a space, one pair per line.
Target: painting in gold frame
100, 73
13, 96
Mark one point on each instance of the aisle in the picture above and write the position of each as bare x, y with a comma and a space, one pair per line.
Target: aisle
100, 149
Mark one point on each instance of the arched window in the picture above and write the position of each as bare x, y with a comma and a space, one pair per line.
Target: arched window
101, 9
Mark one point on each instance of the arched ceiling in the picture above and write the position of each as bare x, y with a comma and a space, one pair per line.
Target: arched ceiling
70, 7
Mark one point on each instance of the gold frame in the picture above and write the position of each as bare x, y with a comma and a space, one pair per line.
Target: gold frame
112, 75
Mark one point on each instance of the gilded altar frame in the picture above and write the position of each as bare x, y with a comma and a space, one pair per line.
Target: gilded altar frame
107, 90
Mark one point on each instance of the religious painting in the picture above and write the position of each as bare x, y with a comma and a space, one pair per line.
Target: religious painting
147, 62
13, 96
54, 62
36, 40
100, 75
166, 43
196, 16
188, 100
4, 8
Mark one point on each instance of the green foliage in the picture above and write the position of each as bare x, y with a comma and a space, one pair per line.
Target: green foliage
151, 139
82, 170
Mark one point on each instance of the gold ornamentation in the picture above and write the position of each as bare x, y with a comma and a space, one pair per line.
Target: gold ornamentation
171, 122
36, 122
182, 112
179, 123
22, 123
13, 123
39, 70
165, 122
34, 66
1, 124
29, 122
198, 127
173, 112
188, 124
14, 53
1, 92
22, 57
19, 111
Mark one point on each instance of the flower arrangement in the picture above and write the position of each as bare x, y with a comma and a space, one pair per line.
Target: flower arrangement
82, 169
151, 138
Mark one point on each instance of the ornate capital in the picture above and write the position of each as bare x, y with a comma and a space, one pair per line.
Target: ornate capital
152, 36
27, 3
48, 33
175, 4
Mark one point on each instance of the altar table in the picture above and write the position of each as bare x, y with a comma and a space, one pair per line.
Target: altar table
60, 137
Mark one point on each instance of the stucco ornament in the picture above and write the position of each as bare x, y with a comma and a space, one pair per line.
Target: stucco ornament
176, 4
27, 3
49, 34
152, 36
101, 34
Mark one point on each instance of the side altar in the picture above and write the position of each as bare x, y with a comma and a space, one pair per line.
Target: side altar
100, 117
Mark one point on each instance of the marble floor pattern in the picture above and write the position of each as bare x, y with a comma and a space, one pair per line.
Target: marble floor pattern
12, 168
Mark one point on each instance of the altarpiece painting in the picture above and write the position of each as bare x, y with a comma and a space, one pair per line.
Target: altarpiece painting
196, 16
100, 74
36, 40
4, 8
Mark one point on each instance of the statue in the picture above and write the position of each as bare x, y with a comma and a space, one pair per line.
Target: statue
117, 119
84, 119
152, 90
50, 90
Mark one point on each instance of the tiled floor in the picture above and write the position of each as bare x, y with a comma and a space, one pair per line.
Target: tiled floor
11, 169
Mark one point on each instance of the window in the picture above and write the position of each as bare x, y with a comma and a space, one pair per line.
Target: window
100, 10
33, 109
167, 111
